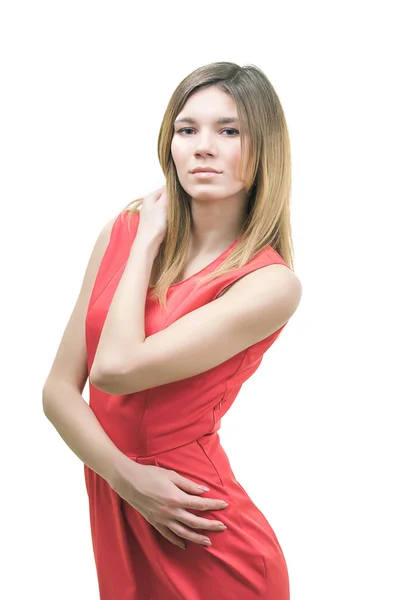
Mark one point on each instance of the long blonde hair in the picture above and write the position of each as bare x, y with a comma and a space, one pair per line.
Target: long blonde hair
265, 169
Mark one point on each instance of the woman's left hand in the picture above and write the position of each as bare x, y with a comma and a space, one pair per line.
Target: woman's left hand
153, 216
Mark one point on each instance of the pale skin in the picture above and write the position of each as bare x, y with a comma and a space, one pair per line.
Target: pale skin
253, 308
162, 496
126, 362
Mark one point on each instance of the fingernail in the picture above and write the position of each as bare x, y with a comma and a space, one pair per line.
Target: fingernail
203, 488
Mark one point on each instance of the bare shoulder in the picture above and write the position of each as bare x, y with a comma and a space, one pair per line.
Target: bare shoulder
254, 308
70, 363
264, 283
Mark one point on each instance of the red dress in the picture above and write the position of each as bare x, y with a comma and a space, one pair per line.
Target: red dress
175, 426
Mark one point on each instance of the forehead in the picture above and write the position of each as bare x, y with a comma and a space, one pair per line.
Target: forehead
209, 103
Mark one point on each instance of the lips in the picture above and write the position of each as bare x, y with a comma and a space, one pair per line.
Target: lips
205, 170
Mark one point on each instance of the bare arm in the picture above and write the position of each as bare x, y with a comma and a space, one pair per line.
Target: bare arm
76, 423
255, 307
160, 495
63, 403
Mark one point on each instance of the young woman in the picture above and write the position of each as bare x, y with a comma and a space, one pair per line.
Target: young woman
183, 294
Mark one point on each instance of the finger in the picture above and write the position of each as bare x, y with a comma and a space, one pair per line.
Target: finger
163, 199
169, 535
186, 484
189, 534
158, 193
197, 503
195, 522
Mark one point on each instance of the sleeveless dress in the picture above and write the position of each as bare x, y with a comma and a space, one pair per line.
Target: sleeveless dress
175, 426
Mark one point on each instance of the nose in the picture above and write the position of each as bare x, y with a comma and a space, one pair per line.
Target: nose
204, 145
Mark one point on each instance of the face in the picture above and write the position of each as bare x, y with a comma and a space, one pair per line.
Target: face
201, 141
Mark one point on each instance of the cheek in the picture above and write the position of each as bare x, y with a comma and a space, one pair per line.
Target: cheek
177, 153
234, 160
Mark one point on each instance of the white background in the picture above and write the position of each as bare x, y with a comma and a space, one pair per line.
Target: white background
313, 435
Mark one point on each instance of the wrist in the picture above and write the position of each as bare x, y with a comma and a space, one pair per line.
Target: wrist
122, 471
148, 245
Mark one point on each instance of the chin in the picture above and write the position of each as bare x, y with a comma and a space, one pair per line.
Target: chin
206, 194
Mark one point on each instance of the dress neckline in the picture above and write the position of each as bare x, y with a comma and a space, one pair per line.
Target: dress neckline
207, 267
211, 264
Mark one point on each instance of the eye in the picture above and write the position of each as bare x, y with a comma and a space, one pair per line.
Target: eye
236, 131
231, 129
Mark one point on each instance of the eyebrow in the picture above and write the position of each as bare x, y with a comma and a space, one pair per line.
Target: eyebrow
221, 121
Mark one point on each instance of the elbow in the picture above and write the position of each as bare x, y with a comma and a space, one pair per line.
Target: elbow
98, 376
45, 406
47, 396
109, 382
50, 396
97, 379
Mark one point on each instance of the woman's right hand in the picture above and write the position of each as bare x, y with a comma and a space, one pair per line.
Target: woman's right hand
159, 495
